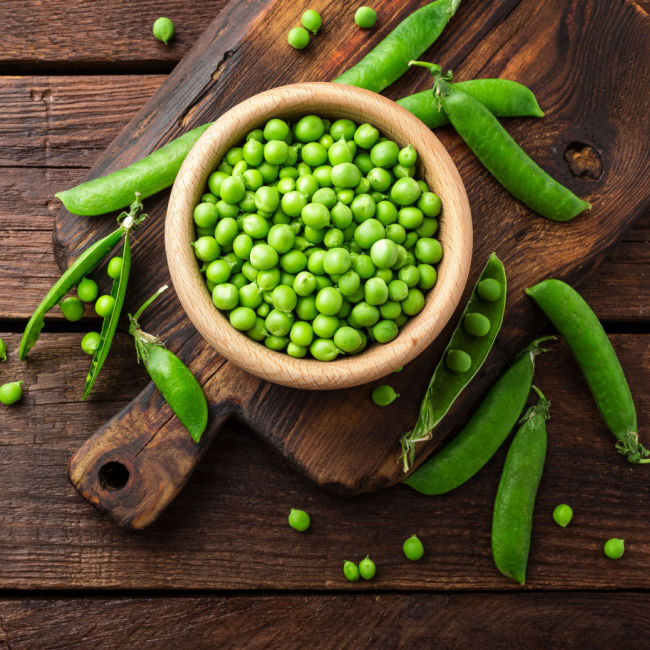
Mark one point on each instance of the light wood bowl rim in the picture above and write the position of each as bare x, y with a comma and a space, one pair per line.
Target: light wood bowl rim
434, 165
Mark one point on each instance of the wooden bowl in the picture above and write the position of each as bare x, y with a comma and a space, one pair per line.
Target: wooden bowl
331, 101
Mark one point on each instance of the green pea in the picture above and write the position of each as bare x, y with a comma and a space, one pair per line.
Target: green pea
298, 38
205, 215
104, 305
428, 228
476, 324
296, 351
428, 250
268, 171
341, 215
232, 189
238, 280
347, 339
489, 289
218, 271
458, 361
366, 136
326, 196
277, 343
263, 256
306, 308
428, 276
390, 310
311, 127
284, 298
11, 392
384, 154
208, 197
234, 155
363, 207
315, 215
329, 301
323, 174
90, 342
281, 237
407, 156
349, 283
410, 218
258, 331
429, 203
225, 296
298, 519
367, 568
337, 261
278, 323
334, 238
384, 331
314, 154
386, 213
385, 274
400, 171
413, 548
405, 191
114, 267
375, 291
365, 314
383, 253
293, 202
350, 571
242, 246
346, 175
413, 303
87, 290
368, 232
250, 295
340, 152
397, 290
242, 318
304, 283
324, 350
363, 187
293, 262
365, 17
562, 515
327, 141
325, 326
614, 548
363, 265
163, 29
343, 128
206, 249
301, 333
226, 210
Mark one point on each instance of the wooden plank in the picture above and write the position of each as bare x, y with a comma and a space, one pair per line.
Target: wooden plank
67, 121
227, 529
98, 34
328, 621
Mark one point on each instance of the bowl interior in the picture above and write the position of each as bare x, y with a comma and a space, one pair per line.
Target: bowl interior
331, 101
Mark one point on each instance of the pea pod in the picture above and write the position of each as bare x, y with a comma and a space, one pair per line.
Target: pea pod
502, 97
171, 376
480, 438
595, 355
85, 263
3, 350
148, 176
501, 155
109, 324
515, 501
389, 60
446, 384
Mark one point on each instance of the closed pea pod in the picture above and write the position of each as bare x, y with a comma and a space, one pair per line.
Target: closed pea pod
501, 155
390, 58
171, 376
447, 383
515, 500
486, 430
595, 355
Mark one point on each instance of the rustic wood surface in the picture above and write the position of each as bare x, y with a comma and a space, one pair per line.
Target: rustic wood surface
232, 61
226, 532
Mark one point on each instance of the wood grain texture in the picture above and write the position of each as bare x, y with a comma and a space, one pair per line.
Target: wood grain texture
504, 41
97, 34
227, 529
415, 621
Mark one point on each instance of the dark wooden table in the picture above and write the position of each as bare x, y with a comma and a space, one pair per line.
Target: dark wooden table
221, 568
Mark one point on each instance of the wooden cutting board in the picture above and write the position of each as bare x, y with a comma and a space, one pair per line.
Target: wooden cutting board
574, 56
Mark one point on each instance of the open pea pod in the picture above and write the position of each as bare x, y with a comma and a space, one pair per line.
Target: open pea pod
109, 325
447, 384
171, 376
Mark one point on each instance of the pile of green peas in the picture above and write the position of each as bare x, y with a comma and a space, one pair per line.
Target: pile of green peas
315, 238
73, 308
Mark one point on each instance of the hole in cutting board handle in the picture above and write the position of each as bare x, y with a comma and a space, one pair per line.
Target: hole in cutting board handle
113, 475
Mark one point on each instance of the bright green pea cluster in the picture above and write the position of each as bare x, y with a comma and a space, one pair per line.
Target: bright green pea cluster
315, 238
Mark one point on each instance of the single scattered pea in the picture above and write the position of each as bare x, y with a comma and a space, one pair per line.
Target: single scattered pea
311, 20
365, 17
10, 393
163, 29
72, 308
298, 38
104, 305
114, 267
562, 515
3, 350
367, 568
476, 324
413, 548
384, 395
350, 571
614, 548
299, 520
87, 290
90, 342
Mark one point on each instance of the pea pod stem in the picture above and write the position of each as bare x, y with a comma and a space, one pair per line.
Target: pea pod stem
515, 499
484, 433
591, 347
83, 265
171, 376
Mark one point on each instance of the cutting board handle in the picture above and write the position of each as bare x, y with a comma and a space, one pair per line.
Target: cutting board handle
132, 468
